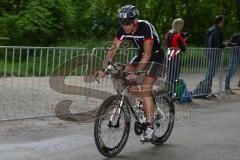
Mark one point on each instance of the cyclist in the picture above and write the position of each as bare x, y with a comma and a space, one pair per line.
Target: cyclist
145, 38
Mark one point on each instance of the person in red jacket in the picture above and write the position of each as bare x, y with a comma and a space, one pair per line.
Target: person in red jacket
175, 39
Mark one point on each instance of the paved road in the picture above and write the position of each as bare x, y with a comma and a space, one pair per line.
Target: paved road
211, 133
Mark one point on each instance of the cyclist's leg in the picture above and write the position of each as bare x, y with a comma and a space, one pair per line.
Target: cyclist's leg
153, 71
146, 90
153, 66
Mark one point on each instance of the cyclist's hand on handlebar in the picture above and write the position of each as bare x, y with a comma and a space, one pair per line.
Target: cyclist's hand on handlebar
132, 76
107, 62
101, 74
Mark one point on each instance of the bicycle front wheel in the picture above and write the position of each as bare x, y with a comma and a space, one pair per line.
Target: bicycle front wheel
112, 127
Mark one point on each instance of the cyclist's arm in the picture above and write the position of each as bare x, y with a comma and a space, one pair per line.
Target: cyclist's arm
112, 51
146, 55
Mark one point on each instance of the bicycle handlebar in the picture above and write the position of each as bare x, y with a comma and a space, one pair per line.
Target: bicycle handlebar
114, 65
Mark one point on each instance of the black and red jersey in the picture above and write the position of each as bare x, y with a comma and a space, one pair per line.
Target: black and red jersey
176, 40
145, 31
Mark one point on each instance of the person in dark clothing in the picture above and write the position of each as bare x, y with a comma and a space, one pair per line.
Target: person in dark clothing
233, 61
214, 36
175, 39
214, 40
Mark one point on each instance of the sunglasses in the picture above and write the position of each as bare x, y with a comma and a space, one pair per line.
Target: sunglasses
124, 21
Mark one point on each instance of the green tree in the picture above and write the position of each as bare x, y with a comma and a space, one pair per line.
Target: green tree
46, 22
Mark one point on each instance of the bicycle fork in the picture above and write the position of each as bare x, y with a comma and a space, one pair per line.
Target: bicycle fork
116, 114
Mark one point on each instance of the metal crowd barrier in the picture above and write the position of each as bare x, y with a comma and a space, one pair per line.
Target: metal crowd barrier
206, 71
201, 71
47, 81
230, 69
25, 91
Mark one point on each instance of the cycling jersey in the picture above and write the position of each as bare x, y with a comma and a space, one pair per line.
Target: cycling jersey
145, 31
214, 38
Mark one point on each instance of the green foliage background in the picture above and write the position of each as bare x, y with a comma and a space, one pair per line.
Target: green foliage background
77, 22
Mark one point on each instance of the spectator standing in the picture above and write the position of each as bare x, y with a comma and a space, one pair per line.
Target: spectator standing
175, 39
214, 44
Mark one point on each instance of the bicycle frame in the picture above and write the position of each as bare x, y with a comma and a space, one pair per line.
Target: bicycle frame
124, 99
117, 110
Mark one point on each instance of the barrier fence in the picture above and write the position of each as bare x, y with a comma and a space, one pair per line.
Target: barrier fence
47, 81
25, 90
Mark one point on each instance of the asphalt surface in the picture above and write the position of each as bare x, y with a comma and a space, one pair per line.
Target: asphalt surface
206, 131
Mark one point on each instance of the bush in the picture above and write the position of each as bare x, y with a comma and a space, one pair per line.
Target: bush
42, 22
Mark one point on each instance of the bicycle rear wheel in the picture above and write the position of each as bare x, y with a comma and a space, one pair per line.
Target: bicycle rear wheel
165, 120
111, 136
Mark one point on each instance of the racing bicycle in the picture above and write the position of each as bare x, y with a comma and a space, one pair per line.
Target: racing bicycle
113, 120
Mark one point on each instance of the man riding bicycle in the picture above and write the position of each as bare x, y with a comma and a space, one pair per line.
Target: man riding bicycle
145, 38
